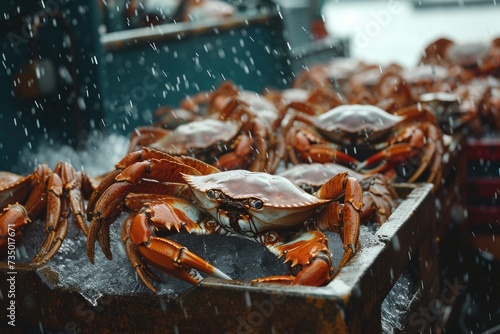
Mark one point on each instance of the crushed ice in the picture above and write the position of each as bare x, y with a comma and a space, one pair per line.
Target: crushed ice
96, 156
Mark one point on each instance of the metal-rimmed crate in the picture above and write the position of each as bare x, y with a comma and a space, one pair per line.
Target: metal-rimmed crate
350, 303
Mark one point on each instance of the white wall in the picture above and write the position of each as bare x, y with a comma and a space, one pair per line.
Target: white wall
394, 31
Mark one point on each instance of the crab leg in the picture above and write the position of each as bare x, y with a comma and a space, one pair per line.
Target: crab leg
17, 185
53, 214
37, 200
171, 214
302, 143
107, 206
14, 217
434, 153
55, 236
145, 136
324, 153
72, 185
345, 217
105, 183
386, 159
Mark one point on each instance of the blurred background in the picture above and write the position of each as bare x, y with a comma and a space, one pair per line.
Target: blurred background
70, 68
398, 31
80, 75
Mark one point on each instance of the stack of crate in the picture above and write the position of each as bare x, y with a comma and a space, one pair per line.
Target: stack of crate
483, 192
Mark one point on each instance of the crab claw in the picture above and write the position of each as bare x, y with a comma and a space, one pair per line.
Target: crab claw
143, 246
177, 260
308, 253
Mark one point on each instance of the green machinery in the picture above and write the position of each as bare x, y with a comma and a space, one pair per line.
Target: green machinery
73, 67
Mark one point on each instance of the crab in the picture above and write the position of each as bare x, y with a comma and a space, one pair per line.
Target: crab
180, 194
25, 199
472, 107
454, 112
247, 143
479, 59
228, 102
406, 146
379, 195
231, 129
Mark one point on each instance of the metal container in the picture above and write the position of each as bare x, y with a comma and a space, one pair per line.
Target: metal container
350, 303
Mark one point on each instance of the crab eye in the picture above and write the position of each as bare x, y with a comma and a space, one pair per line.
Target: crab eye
256, 203
213, 194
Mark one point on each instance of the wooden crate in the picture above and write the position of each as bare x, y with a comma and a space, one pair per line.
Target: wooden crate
350, 303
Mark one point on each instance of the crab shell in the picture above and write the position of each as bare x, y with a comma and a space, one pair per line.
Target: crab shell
356, 123
284, 204
198, 135
13, 188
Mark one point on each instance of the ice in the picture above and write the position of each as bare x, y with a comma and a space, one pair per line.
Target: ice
395, 305
240, 259
105, 277
96, 156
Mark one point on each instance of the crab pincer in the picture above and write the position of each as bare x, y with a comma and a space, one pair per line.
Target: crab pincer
144, 243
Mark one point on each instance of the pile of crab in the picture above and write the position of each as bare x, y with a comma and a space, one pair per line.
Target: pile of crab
220, 171
276, 167
458, 81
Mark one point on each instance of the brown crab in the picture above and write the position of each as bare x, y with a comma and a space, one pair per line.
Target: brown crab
247, 143
369, 140
237, 130
26, 198
228, 102
452, 112
379, 195
477, 58
265, 208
